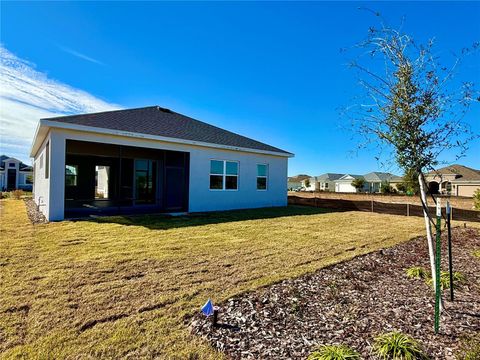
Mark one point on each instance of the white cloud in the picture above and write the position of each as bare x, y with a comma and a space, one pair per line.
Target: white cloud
80, 55
27, 95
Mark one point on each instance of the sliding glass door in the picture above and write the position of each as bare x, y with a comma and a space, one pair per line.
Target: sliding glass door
145, 182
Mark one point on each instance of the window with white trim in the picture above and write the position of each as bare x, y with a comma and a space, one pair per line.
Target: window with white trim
223, 175
262, 176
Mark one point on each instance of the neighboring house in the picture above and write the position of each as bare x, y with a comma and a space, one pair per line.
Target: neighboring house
457, 180
395, 180
151, 160
326, 182
344, 184
374, 180
309, 184
294, 185
14, 174
295, 182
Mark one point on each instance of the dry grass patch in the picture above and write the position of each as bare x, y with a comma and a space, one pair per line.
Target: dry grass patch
122, 286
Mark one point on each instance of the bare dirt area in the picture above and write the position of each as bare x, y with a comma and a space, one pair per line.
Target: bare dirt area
456, 202
350, 303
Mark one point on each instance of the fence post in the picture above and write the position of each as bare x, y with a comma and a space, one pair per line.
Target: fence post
450, 265
372, 205
438, 293
408, 209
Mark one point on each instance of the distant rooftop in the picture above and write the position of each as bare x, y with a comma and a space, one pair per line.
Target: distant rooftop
377, 176
463, 172
21, 165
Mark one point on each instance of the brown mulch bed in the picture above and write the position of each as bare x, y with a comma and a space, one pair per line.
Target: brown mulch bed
35, 216
350, 303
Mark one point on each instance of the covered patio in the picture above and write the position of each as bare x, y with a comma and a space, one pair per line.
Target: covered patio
112, 179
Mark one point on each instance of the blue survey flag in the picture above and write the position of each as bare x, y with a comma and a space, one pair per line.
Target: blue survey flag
207, 309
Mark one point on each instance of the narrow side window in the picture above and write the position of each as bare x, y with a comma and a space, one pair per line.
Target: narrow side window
262, 176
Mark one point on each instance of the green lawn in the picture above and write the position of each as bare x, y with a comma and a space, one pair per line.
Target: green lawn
122, 287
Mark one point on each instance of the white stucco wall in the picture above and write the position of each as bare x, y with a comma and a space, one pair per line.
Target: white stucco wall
247, 195
41, 187
201, 198
345, 186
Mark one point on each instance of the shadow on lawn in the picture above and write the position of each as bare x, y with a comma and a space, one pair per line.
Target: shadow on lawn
165, 222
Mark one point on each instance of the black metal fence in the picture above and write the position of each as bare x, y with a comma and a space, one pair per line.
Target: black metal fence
380, 207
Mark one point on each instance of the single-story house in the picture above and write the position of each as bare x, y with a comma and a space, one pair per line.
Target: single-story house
324, 182
309, 184
344, 184
374, 180
296, 182
457, 180
14, 174
395, 180
150, 160
294, 185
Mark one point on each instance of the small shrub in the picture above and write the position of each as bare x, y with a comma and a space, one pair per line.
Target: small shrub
458, 280
416, 272
17, 194
476, 253
397, 346
333, 352
476, 200
386, 188
469, 349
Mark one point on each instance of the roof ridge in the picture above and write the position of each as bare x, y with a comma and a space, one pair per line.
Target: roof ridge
102, 112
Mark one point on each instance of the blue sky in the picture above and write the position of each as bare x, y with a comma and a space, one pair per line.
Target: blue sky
271, 71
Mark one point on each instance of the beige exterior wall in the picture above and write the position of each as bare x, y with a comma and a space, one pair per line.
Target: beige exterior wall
466, 189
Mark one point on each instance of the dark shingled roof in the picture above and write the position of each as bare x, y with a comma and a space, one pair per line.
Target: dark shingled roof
21, 166
158, 121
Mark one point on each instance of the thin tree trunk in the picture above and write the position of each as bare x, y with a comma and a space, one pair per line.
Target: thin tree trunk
428, 227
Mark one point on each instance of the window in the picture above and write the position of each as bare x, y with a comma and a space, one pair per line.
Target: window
449, 187
29, 179
262, 175
11, 165
71, 173
223, 175
47, 160
326, 186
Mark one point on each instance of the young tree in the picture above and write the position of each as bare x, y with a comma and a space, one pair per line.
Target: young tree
476, 199
410, 105
358, 184
307, 183
386, 188
410, 182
